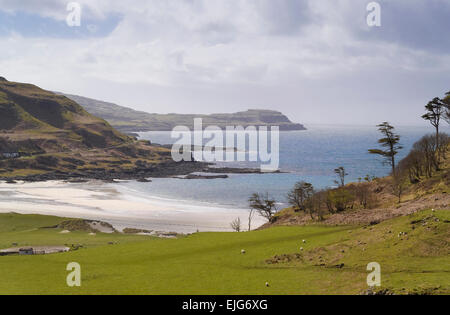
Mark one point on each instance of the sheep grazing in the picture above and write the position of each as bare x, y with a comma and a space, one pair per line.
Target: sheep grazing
304, 241
243, 251
301, 249
267, 284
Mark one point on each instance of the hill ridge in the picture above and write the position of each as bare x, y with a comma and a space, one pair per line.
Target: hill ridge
129, 120
27, 111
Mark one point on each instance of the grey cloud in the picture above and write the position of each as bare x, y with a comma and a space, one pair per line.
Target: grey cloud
217, 33
57, 9
316, 60
417, 24
52, 8
284, 17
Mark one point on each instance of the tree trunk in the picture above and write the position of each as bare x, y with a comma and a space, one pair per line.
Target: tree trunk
393, 165
438, 153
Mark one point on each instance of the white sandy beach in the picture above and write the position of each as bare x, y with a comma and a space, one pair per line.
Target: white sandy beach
108, 202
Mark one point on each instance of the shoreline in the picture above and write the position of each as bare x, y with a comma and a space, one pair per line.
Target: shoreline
165, 170
97, 200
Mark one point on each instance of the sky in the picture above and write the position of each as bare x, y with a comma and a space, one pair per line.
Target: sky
319, 62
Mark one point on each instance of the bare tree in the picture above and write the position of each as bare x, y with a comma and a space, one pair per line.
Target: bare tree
427, 148
423, 160
398, 186
340, 172
363, 194
316, 205
413, 164
298, 196
446, 101
444, 144
236, 225
250, 218
391, 142
263, 205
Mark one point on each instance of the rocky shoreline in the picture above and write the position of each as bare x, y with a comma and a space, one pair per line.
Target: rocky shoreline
163, 170
236, 170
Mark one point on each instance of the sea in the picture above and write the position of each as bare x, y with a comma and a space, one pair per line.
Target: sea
310, 155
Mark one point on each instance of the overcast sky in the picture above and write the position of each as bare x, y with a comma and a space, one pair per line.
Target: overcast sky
315, 60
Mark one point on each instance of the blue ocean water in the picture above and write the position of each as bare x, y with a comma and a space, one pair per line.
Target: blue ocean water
310, 155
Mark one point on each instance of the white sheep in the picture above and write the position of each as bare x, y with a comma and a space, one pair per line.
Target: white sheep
243, 251
304, 241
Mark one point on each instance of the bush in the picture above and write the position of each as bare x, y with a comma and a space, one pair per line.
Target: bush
339, 199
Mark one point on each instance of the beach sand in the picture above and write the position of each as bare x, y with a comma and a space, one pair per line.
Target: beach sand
96, 200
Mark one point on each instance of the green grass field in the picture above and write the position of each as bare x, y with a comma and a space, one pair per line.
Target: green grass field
212, 263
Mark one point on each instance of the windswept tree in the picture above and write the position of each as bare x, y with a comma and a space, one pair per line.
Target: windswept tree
436, 110
299, 195
391, 142
263, 205
340, 172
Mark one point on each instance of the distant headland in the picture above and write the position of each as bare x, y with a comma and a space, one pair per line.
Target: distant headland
129, 120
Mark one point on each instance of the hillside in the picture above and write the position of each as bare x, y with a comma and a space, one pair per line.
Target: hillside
333, 260
128, 120
48, 136
51, 121
430, 192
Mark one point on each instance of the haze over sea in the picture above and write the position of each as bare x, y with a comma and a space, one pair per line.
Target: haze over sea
310, 155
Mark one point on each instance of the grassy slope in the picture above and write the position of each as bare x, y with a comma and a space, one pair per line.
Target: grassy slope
34, 121
29, 101
211, 263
